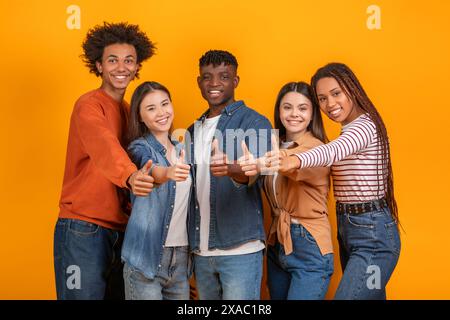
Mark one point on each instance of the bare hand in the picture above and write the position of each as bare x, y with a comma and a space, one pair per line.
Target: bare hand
140, 181
219, 161
179, 171
289, 163
248, 163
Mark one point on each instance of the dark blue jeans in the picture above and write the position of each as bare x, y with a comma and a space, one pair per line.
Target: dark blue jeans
302, 275
87, 261
369, 245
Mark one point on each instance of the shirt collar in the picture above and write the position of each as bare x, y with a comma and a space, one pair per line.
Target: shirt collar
228, 110
302, 139
154, 143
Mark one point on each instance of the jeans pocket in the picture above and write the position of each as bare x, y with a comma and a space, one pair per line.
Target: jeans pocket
308, 237
83, 228
360, 221
393, 236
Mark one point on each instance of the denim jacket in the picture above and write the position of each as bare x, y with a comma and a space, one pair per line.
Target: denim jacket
236, 215
150, 218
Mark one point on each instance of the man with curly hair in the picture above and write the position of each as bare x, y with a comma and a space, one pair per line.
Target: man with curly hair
92, 218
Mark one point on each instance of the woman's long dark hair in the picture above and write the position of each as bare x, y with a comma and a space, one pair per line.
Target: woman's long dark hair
137, 128
354, 91
316, 124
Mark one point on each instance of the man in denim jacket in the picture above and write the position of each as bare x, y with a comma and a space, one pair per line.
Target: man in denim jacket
226, 230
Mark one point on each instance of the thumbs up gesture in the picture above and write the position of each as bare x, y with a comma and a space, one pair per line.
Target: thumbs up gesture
180, 170
272, 159
140, 181
248, 163
219, 161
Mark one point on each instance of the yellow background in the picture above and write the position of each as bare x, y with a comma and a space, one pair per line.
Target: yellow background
404, 67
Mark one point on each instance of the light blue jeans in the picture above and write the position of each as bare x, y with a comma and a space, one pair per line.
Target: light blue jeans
235, 277
171, 281
302, 275
369, 246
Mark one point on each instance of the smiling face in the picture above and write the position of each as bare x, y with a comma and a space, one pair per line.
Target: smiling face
156, 112
217, 84
295, 114
118, 67
335, 103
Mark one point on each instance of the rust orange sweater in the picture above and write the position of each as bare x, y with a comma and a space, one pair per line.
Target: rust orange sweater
96, 162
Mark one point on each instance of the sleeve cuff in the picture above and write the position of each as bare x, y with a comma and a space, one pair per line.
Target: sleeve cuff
126, 174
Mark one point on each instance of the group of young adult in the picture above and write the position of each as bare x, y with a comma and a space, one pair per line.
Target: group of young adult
196, 205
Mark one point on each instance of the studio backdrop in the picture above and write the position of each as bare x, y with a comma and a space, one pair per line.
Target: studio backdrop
399, 50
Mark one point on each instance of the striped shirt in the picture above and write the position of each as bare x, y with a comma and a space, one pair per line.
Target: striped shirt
354, 157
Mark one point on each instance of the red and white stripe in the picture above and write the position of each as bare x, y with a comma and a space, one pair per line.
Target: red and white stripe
353, 158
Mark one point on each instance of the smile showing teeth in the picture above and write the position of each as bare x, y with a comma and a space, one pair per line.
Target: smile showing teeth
163, 121
214, 93
335, 112
120, 77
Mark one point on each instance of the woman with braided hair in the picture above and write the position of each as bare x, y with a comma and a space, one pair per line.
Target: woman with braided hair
361, 168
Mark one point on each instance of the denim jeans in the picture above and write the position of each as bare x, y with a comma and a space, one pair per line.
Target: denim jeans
87, 261
369, 246
170, 283
302, 275
234, 277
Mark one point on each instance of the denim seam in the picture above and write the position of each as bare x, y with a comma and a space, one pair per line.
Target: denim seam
256, 276
358, 225
83, 233
390, 237
113, 258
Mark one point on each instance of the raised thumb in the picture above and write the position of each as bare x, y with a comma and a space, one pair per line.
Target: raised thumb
245, 150
215, 147
147, 167
274, 141
182, 156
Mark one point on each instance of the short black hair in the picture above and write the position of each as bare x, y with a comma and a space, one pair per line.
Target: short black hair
217, 57
104, 35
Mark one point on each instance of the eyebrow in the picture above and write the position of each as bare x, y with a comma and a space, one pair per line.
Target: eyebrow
299, 105
114, 56
153, 105
321, 94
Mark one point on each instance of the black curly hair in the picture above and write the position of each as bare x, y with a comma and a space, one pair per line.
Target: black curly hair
217, 57
104, 35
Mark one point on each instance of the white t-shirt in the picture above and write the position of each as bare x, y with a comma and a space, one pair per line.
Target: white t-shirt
204, 133
177, 235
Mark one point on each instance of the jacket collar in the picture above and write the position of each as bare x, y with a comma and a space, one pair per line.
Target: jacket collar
302, 140
228, 110
154, 143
